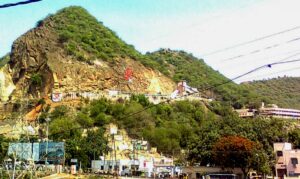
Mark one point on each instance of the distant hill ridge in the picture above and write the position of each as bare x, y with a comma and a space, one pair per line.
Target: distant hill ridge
283, 91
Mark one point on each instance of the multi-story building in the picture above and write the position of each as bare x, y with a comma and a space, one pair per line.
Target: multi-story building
276, 112
286, 160
271, 110
52, 152
245, 113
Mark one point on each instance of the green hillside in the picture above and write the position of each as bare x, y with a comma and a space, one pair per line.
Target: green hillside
284, 91
180, 65
83, 36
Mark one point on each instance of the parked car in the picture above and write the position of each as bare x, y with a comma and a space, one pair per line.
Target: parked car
164, 175
126, 172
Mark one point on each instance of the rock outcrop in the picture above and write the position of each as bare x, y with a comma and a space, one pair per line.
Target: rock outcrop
6, 84
39, 59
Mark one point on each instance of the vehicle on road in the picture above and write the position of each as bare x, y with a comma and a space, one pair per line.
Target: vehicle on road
164, 175
126, 172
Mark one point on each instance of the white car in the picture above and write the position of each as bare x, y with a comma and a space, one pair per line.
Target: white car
126, 172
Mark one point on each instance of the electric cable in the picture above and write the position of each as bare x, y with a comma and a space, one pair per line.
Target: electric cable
269, 57
19, 3
258, 50
273, 73
250, 41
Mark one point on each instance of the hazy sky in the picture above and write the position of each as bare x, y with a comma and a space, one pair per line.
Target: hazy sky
196, 26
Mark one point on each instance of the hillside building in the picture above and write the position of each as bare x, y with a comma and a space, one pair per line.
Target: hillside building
37, 152
272, 111
276, 112
246, 113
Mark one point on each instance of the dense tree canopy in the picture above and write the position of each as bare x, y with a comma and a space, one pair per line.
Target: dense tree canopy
235, 151
194, 127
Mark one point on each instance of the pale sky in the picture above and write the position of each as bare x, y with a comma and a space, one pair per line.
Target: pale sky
196, 26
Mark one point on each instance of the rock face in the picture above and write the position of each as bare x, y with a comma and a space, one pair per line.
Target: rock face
30, 54
39, 55
6, 84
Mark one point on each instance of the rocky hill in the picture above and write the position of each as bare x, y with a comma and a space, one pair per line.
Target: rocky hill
284, 91
73, 52
76, 51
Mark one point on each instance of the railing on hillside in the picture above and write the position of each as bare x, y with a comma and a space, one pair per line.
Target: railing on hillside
154, 98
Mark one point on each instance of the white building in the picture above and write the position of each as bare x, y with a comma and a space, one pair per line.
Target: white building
276, 112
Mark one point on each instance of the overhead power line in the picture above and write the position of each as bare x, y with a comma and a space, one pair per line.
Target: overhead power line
283, 60
259, 50
250, 41
270, 65
18, 3
269, 57
274, 73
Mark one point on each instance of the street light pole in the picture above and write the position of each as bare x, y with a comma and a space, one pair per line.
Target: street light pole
14, 169
257, 171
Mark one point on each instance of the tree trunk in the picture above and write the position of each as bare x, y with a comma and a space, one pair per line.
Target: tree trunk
245, 172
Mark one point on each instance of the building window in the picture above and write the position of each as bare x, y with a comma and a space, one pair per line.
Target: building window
279, 153
291, 173
294, 161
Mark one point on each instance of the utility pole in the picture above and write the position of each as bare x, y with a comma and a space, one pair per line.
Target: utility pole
115, 156
133, 146
14, 170
47, 133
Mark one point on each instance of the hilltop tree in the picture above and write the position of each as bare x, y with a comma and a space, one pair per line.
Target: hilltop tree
294, 137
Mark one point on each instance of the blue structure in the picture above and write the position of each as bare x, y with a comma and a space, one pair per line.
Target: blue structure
37, 151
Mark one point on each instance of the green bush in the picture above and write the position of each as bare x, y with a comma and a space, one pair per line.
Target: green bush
36, 79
